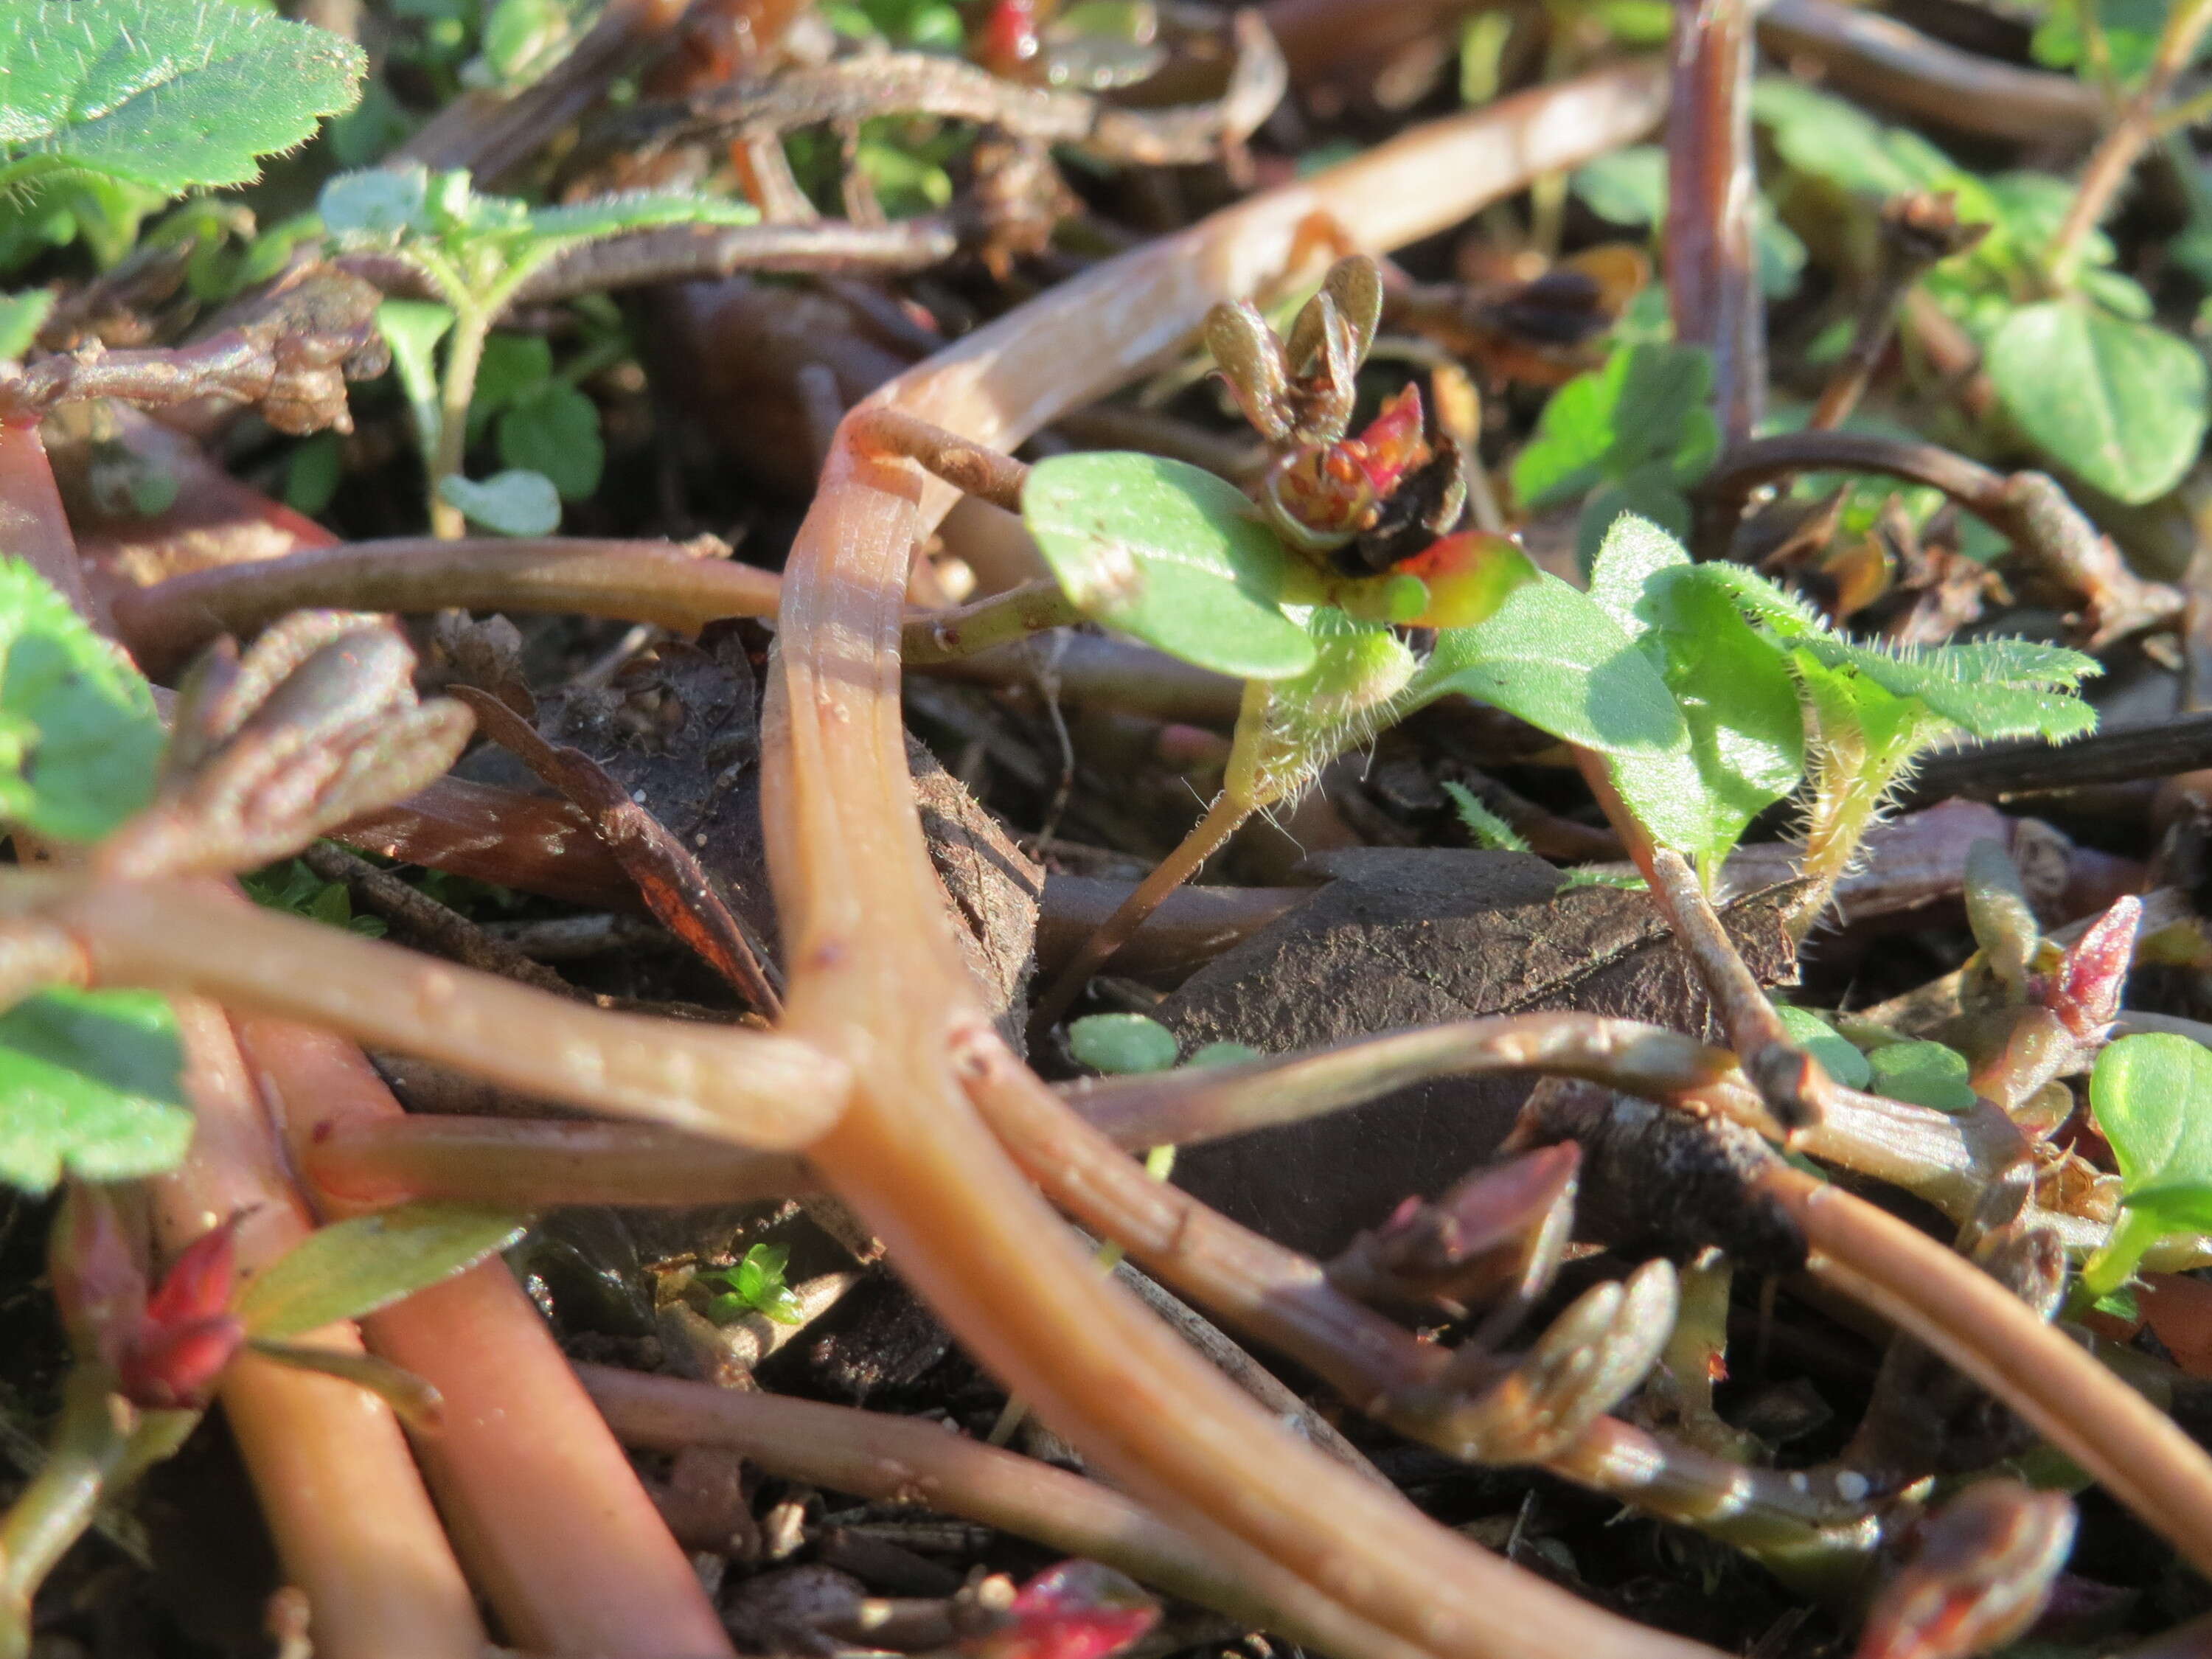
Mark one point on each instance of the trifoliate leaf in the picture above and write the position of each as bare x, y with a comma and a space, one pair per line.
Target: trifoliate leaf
164, 93
92, 1083
79, 739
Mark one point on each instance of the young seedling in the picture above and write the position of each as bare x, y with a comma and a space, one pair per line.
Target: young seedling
475, 253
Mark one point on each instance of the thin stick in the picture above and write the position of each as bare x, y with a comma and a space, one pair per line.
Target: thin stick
1712, 275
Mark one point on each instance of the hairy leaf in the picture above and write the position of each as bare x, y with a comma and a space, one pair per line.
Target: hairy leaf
79, 739
164, 94
2122, 404
93, 1084
350, 1270
1171, 554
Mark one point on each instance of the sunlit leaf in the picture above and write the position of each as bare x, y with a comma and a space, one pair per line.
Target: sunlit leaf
168, 95
1173, 556
1837, 1056
1119, 1043
349, 1270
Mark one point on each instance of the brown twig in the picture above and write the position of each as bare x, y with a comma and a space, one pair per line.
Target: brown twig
674, 886
438, 928
1712, 274
2121, 754
676, 253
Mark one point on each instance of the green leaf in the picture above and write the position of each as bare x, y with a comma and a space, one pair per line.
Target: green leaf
1649, 492
1925, 1073
168, 95
555, 430
380, 205
1121, 1043
1552, 655
21, 316
756, 1285
93, 1082
1732, 685
644, 209
79, 740
1837, 1055
1486, 829
513, 367
2152, 1098
412, 328
510, 503
1647, 404
1222, 1053
1173, 556
351, 1270
2120, 403
1626, 186
313, 471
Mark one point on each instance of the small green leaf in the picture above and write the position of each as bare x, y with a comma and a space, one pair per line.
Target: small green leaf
93, 1082
1837, 1056
2120, 403
756, 1285
2152, 1098
555, 430
351, 1270
1222, 1053
1121, 1044
379, 204
1924, 1074
79, 739
21, 316
412, 328
1161, 550
1645, 408
169, 96
1486, 827
644, 209
513, 367
510, 503
313, 471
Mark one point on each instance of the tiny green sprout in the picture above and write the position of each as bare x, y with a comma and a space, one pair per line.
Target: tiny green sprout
1923, 1073
1121, 1044
476, 252
1488, 830
291, 887
754, 1284
2152, 1098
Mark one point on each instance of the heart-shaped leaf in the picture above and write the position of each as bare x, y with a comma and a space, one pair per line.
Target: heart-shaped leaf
350, 1270
92, 1082
1170, 554
2120, 403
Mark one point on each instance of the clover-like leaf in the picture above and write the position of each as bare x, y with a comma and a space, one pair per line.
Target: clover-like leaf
1173, 556
79, 739
168, 95
92, 1085
554, 429
510, 503
2122, 403
350, 1270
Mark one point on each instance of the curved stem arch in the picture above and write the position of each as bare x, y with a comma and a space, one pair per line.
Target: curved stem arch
875, 980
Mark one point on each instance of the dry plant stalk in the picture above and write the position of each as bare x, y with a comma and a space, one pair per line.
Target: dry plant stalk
875, 980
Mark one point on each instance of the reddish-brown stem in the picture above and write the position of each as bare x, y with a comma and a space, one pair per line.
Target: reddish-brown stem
2133, 1449
630, 581
353, 1524
871, 1456
33, 527
1207, 838
1712, 274
555, 1528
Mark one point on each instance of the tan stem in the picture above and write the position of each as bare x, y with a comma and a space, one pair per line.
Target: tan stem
524, 1458
875, 980
354, 1527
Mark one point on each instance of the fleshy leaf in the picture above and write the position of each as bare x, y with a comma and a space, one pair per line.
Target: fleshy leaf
1118, 1043
79, 739
2152, 1097
1837, 1056
93, 1084
1170, 554
168, 95
350, 1270
1924, 1074
2122, 404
